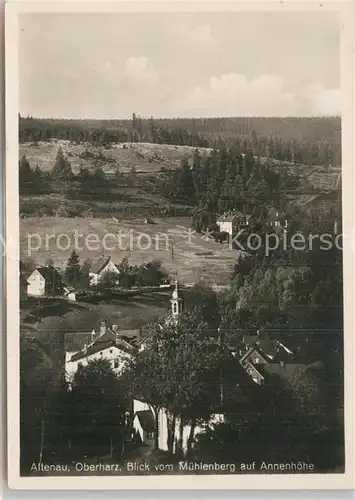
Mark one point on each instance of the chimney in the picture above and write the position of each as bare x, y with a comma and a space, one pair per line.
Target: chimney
93, 335
85, 349
103, 327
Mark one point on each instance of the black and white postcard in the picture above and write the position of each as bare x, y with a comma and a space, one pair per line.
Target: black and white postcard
179, 244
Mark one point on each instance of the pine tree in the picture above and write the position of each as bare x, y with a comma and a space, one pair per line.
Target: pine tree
73, 270
62, 168
152, 130
185, 190
25, 176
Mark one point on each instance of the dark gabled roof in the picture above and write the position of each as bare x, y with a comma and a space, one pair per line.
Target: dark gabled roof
244, 358
267, 346
99, 265
50, 274
92, 349
104, 341
146, 420
230, 217
249, 367
275, 349
130, 336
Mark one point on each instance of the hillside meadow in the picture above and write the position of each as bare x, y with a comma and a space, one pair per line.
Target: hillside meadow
144, 158
182, 252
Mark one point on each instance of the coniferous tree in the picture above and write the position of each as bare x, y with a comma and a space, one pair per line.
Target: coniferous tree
73, 270
25, 176
62, 170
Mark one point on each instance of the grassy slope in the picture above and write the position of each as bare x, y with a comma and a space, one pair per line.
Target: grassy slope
193, 261
144, 157
149, 159
74, 319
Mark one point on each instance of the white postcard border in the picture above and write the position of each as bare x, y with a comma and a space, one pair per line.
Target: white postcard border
238, 481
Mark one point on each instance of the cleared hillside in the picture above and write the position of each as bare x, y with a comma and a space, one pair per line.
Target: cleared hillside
141, 157
153, 159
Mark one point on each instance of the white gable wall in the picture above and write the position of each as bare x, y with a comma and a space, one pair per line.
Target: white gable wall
118, 358
226, 226
109, 268
36, 284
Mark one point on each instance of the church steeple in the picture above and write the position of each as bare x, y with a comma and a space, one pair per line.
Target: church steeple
176, 302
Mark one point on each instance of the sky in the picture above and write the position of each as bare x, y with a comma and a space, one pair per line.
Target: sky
102, 66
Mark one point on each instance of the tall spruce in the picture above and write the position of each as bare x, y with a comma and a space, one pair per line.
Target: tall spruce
62, 169
73, 270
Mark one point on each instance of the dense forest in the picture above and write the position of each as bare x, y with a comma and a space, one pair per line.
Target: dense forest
315, 141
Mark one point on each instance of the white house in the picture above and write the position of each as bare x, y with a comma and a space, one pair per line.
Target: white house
69, 293
110, 344
144, 421
231, 222
101, 267
44, 281
144, 426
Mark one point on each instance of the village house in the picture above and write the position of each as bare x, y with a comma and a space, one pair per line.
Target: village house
232, 222
117, 346
69, 293
100, 268
261, 357
143, 425
44, 281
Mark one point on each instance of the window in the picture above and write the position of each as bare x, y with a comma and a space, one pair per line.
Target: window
175, 307
111, 351
115, 363
150, 435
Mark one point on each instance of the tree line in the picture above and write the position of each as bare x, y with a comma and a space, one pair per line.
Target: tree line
295, 140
